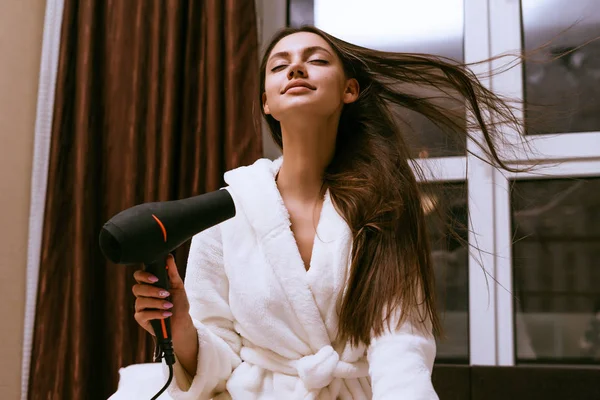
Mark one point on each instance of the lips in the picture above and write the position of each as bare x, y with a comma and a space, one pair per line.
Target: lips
298, 83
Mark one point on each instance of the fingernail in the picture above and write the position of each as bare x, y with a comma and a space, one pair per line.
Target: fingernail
166, 304
153, 279
163, 293
167, 314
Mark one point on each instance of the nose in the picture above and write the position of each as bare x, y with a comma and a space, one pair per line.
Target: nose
297, 71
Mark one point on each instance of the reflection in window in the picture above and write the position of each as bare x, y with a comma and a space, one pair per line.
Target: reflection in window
425, 26
556, 258
564, 93
446, 212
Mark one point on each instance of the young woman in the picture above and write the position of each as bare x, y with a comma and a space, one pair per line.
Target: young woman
321, 287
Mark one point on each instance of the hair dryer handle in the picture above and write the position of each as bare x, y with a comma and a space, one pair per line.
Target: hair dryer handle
162, 327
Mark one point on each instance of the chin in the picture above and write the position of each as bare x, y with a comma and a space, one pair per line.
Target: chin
304, 105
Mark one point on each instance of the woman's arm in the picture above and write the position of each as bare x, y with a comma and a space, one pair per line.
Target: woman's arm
185, 345
401, 361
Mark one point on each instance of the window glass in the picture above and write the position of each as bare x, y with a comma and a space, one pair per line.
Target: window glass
562, 94
556, 258
446, 211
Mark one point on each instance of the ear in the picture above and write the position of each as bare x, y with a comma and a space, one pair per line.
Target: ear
265, 104
351, 92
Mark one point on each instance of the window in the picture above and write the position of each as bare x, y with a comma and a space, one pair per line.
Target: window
564, 93
545, 259
556, 261
446, 210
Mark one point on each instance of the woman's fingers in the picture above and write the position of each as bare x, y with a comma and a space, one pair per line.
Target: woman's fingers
176, 282
144, 317
151, 301
144, 277
144, 303
143, 290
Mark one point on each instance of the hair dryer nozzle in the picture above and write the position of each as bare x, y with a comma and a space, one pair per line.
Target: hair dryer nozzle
110, 245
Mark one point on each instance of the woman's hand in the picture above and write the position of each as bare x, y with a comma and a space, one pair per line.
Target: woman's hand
151, 301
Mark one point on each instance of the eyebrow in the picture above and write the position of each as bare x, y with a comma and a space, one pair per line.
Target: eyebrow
305, 52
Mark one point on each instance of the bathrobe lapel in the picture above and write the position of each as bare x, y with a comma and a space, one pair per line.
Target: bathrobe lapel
257, 194
329, 265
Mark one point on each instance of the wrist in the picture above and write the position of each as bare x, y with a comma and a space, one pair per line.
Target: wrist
184, 328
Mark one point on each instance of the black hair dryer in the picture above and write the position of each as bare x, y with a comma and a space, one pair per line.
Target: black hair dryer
148, 232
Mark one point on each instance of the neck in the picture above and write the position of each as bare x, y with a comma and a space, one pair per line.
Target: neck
308, 148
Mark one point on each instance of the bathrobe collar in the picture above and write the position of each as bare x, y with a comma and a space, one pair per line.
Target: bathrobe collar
256, 194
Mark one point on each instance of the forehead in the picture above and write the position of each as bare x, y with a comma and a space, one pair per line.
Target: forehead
298, 41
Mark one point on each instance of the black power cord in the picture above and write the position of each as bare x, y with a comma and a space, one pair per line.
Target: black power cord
164, 349
157, 395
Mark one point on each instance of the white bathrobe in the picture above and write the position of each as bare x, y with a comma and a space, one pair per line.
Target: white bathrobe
266, 326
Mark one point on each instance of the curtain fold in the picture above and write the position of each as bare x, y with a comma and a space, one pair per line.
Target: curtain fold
154, 101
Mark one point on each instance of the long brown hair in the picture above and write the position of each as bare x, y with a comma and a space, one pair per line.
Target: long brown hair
373, 186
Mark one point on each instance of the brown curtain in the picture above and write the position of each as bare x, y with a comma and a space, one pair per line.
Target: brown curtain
154, 101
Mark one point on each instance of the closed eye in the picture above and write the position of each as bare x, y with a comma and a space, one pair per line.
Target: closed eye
320, 62
277, 68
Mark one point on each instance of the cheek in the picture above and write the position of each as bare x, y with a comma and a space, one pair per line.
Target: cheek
272, 98
272, 89
333, 88
271, 84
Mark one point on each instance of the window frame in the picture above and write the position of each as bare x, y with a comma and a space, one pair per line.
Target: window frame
566, 155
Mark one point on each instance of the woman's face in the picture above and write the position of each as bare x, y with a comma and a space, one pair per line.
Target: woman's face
305, 77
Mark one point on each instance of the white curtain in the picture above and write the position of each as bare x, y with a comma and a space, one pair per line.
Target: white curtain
39, 178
